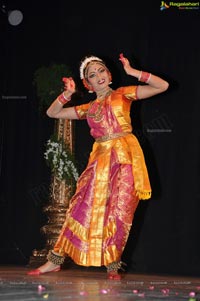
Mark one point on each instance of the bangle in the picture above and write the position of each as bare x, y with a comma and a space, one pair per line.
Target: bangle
148, 79
144, 77
139, 75
62, 99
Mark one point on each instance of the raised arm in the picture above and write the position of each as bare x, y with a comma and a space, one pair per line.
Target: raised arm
56, 109
154, 84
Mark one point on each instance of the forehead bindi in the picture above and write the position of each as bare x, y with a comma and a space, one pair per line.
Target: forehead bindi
94, 67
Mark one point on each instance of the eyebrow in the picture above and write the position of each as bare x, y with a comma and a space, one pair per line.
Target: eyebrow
98, 68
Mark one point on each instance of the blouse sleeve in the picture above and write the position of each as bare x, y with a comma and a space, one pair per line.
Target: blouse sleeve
130, 92
82, 110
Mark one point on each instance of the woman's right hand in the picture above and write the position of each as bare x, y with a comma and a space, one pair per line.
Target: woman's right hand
69, 86
56, 109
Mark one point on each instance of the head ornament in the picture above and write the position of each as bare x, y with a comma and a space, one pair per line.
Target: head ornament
85, 62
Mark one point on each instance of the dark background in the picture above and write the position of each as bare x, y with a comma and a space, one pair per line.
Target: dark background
165, 233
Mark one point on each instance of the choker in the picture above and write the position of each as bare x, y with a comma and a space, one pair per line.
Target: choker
103, 95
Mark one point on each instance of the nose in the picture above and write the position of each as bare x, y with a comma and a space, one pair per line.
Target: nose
98, 75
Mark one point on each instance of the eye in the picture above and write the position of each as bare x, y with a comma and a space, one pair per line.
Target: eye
101, 70
91, 75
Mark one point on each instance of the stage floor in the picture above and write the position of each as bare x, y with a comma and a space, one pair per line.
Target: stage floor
87, 284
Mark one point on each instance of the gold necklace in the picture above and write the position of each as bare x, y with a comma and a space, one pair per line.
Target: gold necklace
98, 116
103, 95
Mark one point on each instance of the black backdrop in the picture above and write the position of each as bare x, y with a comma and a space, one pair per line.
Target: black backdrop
165, 233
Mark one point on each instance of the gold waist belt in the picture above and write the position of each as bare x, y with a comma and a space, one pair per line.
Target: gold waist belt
111, 136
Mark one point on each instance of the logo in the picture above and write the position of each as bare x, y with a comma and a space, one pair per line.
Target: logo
179, 5
164, 5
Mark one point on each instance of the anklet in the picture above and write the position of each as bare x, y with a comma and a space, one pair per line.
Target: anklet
115, 266
55, 259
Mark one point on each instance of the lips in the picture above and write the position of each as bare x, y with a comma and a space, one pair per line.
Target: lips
102, 81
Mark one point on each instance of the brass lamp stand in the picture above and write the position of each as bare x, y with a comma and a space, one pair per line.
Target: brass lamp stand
60, 194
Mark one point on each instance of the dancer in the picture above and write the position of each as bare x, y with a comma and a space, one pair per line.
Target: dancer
108, 191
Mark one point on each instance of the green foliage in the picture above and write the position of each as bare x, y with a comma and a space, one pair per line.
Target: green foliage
48, 83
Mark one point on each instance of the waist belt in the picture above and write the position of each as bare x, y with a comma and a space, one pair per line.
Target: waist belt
111, 136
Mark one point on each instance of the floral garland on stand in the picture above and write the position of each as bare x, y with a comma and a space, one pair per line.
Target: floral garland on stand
61, 161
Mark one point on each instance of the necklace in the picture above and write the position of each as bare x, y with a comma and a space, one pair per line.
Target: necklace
104, 94
98, 116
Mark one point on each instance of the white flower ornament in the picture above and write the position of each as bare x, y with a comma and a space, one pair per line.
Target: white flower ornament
85, 62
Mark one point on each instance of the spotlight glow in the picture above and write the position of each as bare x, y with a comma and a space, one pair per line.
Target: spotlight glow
15, 17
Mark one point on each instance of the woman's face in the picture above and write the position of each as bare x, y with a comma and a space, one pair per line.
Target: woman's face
98, 76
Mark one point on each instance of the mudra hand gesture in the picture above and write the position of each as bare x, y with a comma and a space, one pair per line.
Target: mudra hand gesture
126, 63
69, 86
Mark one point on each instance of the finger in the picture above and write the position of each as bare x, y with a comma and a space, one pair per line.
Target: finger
66, 85
122, 58
71, 85
64, 79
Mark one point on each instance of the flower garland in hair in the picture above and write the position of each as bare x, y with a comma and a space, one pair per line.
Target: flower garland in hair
86, 61
61, 161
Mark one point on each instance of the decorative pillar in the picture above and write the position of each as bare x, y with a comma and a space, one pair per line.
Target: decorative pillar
60, 194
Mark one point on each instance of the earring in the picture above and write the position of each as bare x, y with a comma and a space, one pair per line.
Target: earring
110, 78
90, 89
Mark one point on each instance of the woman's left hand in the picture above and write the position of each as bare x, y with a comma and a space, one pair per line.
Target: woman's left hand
125, 62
